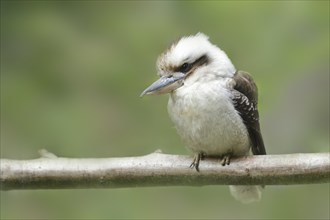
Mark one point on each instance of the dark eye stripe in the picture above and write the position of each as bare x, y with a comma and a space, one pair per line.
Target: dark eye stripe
201, 61
186, 67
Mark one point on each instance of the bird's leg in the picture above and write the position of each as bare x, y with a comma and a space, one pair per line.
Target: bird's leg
225, 159
197, 158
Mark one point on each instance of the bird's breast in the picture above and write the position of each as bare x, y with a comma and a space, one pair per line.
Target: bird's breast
206, 119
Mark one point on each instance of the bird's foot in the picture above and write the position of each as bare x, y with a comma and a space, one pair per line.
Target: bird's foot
225, 160
197, 158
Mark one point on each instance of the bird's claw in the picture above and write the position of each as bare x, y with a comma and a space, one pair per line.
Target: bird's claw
225, 160
197, 158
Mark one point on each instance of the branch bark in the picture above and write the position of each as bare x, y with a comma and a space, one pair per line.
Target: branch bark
158, 169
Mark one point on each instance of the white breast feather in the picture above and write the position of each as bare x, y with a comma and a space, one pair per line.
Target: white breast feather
206, 119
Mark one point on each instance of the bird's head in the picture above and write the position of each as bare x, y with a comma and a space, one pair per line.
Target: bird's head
189, 60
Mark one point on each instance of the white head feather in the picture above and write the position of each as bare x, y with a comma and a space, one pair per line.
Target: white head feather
189, 49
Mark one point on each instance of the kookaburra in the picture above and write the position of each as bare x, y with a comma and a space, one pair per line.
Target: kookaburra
213, 105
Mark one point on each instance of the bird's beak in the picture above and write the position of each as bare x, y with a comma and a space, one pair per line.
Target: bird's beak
165, 84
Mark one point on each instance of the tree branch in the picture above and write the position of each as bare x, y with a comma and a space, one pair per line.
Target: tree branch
158, 169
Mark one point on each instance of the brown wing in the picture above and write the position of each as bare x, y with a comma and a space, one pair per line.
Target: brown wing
245, 100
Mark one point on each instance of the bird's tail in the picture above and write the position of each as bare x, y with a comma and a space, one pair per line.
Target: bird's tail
246, 194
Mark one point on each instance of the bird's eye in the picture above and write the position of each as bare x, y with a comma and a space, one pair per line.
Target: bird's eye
185, 67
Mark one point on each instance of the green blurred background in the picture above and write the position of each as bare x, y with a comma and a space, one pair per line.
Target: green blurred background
72, 72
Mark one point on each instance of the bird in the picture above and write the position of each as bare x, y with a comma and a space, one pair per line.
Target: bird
213, 106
